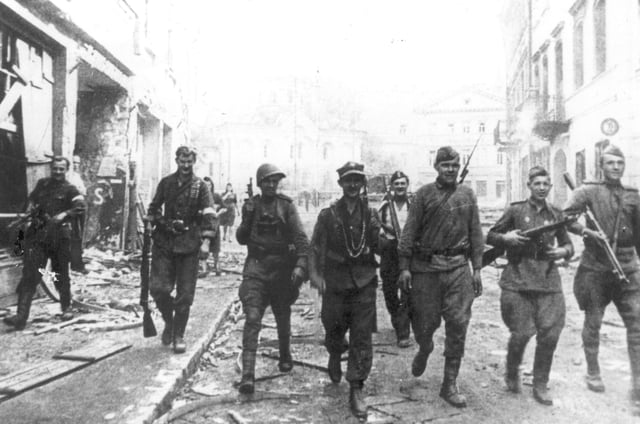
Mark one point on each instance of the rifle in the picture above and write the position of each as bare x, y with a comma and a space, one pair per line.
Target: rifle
148, 328
250, 188
603, 241
533, 233
393, 215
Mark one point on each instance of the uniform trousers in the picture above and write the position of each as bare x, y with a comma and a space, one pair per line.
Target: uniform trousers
529, 313
594, 290
441, 295
350, 310
397, 305
171, 270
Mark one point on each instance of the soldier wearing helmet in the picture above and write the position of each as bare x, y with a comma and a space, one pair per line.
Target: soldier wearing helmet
275, 267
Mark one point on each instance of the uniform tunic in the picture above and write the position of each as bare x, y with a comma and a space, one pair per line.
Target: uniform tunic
46, 240
349, 301
532, 301
437, 244
175, 253
276, 244
397, 306
595, 285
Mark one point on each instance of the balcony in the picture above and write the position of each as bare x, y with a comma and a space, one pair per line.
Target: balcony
550, 118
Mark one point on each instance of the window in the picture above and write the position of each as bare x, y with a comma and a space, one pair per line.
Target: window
325, 151
481, 127
432, 157
481, 188
403, 129
600, 34
466, 128
500, 189
452, 128
500, 158
578, 59
265, 150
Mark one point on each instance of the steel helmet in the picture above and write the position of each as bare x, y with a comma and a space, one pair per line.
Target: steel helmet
267, 170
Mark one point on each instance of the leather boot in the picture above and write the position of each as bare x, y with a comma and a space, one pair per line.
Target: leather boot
594, 381
356, 401
541, 369
179, 324
515, 350
419, 363
19, 320
165, 306
335, 370
285, 364
449, 390
248, 372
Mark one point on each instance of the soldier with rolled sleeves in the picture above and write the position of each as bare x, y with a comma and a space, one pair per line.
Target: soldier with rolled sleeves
343, 269
53, 204
441, 238
275, 267
183, 231
532, 301
617, 209
397, 305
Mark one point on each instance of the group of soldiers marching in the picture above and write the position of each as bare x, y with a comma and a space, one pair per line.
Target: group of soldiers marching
431, 250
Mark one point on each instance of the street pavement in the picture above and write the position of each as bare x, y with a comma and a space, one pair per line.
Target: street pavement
133, 386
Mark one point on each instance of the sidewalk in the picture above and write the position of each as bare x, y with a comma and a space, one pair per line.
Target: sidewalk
133, 386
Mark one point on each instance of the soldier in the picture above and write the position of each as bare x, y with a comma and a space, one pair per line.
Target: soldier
186, 218
441, 236
397, 306
617, 209
53, 204
275, 267
343, 269
532, 301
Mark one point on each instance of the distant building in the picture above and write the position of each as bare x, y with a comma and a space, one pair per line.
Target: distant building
572, 88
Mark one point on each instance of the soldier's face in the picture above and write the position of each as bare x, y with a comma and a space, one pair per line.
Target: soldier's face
351, 185
612, 167
400, 187
185, 164
269, 186
58, 170
540, 187
448, 170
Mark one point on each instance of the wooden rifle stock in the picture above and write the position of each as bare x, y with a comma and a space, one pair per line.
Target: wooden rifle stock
148, 328
603, 241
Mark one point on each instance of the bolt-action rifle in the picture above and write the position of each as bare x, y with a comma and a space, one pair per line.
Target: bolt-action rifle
393, 214
603, 239
533, 233
148, 328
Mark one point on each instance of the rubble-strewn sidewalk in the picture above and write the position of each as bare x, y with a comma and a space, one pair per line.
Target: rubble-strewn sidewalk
132, 386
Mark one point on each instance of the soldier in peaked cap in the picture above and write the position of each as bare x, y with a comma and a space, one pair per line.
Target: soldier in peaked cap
343, 269
441, 237
397, 306
532, 301
275, 267
617, 209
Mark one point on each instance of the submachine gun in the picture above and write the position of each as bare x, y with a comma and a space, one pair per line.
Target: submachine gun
603, 241
533, 233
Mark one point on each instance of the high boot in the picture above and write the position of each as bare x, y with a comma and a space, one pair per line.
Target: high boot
449, 390
19, 320
634, 359
166, 310
541, 369
419, 363
285, 364
248, 372
356, 401
594, 381
179, 325
334, 368
65, 302
515, 351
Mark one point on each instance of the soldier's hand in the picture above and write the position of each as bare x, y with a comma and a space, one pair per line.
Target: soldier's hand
297, 276
476, 281
318, 282
514, 238
247, 209
592, 234
59, 217
557, 253
404, 281
204, 249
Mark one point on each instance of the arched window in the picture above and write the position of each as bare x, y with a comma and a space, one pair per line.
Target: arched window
578, 53
600, 34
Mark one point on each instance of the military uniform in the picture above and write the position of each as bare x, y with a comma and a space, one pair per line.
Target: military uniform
186, 218
617, 209
532, 301
276, 244
45, 240
397, 306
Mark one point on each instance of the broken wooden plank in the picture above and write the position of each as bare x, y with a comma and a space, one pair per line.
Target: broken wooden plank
42, 373
94, 351
56, 327
236, 417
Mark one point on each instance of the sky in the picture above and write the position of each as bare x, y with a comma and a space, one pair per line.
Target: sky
365, 45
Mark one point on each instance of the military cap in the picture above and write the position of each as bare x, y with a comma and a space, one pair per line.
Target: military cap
613, 150
446, 153
397, 175
351, 168
537, 171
